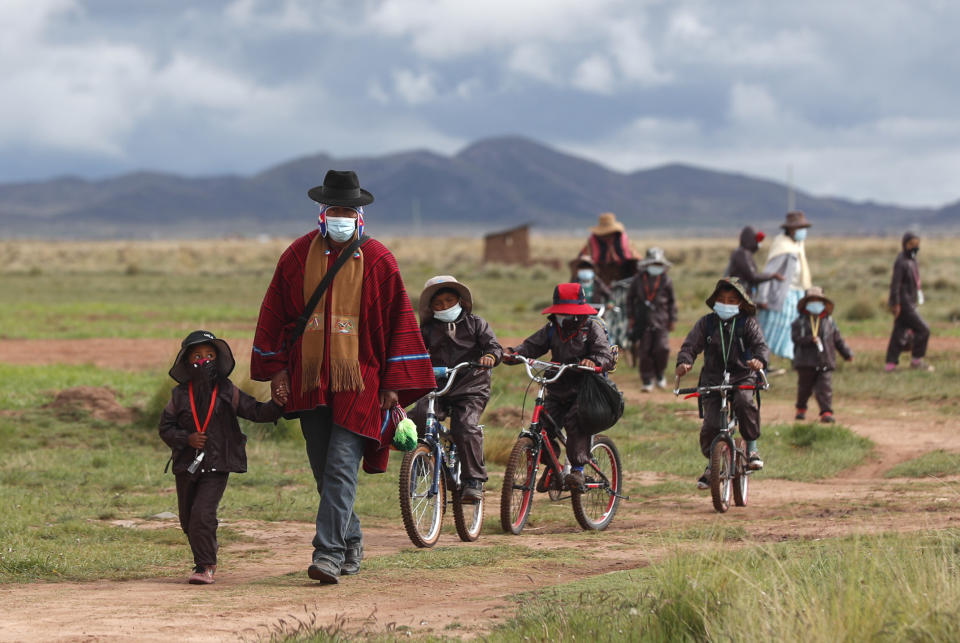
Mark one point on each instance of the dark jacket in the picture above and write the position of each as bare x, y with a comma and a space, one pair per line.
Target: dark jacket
660, 312
589, 342
742, 266
805, 352
224, 450
465, 340
698, 342
906, 278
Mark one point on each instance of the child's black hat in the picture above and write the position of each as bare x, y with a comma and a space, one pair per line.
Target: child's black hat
225, 361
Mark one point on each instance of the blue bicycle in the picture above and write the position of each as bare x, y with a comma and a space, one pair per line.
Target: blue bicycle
423, 496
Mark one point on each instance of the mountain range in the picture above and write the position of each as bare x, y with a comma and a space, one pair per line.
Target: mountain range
490, 185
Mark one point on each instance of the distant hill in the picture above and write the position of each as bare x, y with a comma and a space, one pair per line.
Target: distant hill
492, 184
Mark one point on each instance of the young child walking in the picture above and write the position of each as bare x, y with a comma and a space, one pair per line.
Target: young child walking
584, 272
571, 335
200, 425
731, 342
453, 334
906, 297
652, 310
816, 341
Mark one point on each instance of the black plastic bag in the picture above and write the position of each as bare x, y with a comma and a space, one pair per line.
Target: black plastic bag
599, 403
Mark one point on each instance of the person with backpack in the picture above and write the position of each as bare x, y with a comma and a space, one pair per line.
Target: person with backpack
652, 311
572, 335
731, 342
199, 424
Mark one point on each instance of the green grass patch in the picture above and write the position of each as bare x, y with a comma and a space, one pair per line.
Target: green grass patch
933, 464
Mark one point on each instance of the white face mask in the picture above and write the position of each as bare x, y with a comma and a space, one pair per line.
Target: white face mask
800, 234
448, 315
341, 229
656, 270
726, 311
585, 274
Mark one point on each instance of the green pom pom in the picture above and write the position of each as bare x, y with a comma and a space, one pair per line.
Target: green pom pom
405, 438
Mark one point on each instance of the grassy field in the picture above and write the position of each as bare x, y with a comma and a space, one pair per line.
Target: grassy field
69, 481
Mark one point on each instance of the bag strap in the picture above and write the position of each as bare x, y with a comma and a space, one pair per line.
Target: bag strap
345, 254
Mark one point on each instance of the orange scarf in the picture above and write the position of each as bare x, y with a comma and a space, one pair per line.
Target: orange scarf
344, 291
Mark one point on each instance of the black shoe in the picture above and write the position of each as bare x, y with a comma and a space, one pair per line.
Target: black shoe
754, 461
801, 415
351, 560
472, 491
703, 482
574, 479
324, 571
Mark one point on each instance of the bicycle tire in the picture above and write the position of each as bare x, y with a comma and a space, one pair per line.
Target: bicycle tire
422, 514
467, 517
721, 472
516, 497
741, 480
595, 508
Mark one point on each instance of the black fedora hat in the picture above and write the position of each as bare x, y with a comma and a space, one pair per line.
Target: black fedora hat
225, 362
341, 188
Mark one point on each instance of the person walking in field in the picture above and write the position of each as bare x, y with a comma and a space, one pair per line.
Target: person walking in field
742, 265
778, 299
200, 425
906, 296
652, 308
816, 342
337, 333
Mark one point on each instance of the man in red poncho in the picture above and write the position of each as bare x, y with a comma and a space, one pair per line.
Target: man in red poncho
354, 355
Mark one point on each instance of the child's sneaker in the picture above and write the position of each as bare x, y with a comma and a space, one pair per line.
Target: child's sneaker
827, 418
202, 575
647, 388
351, 560
703, 482
920, 365
754, 462
662, 382
472, 491
574, 479
801, 414
889, 367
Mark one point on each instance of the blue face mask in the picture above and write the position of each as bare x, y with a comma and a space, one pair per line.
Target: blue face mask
816, 307
655, 270
799, 234
726, 311
585, 274
341, 229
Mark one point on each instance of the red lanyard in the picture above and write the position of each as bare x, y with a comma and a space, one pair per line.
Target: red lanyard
193, 407
656, 286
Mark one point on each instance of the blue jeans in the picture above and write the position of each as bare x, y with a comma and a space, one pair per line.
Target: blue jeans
334, 454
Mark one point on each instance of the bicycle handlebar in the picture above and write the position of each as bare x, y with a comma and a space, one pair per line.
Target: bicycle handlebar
721, 388
451, 373
529, 364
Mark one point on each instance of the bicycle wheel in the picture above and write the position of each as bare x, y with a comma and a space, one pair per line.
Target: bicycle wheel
422, 512
721, 472
468, 517
516, 497
741, 481
595, 507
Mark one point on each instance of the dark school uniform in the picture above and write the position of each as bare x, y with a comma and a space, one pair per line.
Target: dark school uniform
905, 292
652, 307
814, 366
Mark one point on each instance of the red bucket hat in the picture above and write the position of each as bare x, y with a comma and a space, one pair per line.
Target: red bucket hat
568, 299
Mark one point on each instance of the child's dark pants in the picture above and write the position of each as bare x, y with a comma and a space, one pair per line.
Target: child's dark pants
654, 351
464, 413
563, 411
908, 320
198, 497
713, 420
820, 383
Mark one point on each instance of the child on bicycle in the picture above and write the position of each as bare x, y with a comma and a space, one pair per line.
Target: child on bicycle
652, 308
453, 334
731, 341
817, 340
572, 335
201, 420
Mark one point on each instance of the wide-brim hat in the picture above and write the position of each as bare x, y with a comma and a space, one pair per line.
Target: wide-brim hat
607, 223
438, 283
654, 256
225, 362
746, 306
795, 219
568, 299
814, 294
340, 188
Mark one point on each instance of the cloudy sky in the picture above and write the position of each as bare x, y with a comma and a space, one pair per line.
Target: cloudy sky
860, 98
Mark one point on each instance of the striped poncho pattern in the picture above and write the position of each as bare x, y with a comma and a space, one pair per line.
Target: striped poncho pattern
391, 352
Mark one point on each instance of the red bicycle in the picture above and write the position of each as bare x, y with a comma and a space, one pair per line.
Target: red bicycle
596, 502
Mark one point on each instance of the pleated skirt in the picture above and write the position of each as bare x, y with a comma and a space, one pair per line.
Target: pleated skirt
776, 324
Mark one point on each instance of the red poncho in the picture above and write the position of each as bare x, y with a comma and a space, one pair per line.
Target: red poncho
392, 355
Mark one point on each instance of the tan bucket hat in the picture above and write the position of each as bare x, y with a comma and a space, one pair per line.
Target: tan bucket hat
815, 293
439, 283
606, 224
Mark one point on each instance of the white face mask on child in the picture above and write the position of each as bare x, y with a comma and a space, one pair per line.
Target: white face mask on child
448, 315
585, 275
815, 307
655, 270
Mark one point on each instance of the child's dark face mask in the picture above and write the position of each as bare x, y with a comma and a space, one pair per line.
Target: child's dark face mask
203, 363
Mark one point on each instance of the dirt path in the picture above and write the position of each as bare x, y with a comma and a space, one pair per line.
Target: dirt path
260, 591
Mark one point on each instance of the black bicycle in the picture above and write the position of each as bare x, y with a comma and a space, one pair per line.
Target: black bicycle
728, 457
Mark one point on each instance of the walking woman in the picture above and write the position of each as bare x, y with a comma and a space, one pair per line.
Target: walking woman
779, 298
